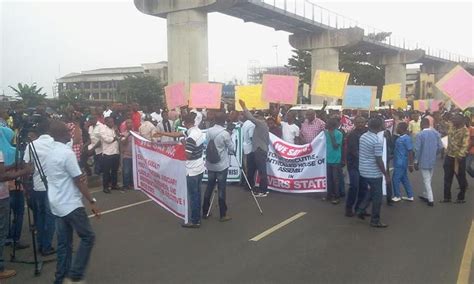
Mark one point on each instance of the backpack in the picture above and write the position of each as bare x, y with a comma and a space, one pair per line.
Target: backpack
212, 154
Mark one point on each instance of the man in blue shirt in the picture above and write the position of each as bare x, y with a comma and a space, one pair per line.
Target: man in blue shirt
333, 157
428, 144
372, 169
402, 161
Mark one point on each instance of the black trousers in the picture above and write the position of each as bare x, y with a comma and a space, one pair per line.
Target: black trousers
258, 161
449, 175
110, 165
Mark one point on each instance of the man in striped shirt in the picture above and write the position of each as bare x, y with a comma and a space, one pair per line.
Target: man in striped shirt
372, 170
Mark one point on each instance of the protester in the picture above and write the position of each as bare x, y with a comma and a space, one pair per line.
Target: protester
136, 117
311, 127
372, 169
165, 125
333, 160
126, 153
455, 160
110, 155
414, 125
147, 129
217, 170
290, 131
403, 161
257, 160
248, 128
470, 156
273, 127
156, 115
356, 192
95, 146
66, 188
5, 176
428, 144
43, 218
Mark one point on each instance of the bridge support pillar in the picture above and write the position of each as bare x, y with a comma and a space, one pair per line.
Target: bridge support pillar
325, 47
395, 66
187, 47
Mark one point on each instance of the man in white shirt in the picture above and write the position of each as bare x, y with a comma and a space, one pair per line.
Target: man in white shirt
66, 188
165, 125
198, 119
44, 219
247, 133
291, 131
156, 116
95, 144
147, 129
107, 112
110, 155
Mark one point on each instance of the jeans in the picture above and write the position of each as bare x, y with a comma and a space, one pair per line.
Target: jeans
194, 194
4, 211
342, 185
375, 196
357, 191
400, 175
127, 172
427, 175
258, 161
77, 221
469, 164
449, 163
110, 165
17, 209
44, 219
221, 178
98, 164
333, 178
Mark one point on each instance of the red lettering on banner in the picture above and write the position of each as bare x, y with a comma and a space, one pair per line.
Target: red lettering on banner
288, 151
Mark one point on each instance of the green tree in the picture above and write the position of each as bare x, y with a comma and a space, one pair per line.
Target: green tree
144, 90
69, 98
32, 96
300, 63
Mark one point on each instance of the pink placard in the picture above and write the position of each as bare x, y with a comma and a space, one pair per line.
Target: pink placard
280, 89
422, 105
459, 86
175, 96
205, 95
434, 105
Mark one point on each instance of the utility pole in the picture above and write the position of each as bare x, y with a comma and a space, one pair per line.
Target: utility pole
276, 55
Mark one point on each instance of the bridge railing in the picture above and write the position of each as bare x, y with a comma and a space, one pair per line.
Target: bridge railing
330, 19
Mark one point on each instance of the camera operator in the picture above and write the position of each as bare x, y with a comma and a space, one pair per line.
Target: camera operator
44, 220
7, 157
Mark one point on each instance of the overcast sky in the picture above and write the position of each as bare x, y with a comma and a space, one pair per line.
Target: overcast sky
41, 41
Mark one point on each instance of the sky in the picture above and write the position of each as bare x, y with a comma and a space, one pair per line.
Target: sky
42, 41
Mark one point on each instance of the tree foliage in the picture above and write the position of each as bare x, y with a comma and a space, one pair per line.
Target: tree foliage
300, 63
70, 98
144, 90
32, 96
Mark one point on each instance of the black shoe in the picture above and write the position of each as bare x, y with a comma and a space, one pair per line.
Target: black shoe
349, 213
191, 226
423, 198
459, 201
431, 204
48, 252
106, 190
445, 201
205, 216
335, 201
378, 225
389, 203
361, 216
21, 245
367, 214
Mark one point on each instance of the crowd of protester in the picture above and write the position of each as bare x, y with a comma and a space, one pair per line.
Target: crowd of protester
83, 141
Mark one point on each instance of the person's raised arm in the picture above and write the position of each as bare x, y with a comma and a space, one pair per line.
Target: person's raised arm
247, 113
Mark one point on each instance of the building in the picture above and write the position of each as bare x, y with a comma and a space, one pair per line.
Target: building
103, 84
419, 85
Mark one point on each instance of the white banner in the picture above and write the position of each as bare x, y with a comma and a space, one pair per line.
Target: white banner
159, 171
297, 168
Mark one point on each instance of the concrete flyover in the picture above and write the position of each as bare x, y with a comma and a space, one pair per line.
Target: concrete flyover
188, 48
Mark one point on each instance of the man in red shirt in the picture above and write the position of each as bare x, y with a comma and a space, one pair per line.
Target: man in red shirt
136, 117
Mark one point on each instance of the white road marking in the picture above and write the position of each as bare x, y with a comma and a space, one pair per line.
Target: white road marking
277, 227
121, 208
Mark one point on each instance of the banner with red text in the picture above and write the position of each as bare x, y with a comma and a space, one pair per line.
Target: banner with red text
159, 171
297, 168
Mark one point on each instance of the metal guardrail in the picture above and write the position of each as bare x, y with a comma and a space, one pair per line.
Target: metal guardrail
321, 15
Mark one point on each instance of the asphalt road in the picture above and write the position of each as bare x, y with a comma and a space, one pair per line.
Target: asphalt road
145, 244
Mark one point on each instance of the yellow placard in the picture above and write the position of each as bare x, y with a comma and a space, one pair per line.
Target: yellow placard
252, 96
391, 92
400, 104
329, 84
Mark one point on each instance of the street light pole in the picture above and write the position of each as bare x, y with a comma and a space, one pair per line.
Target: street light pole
276, 55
